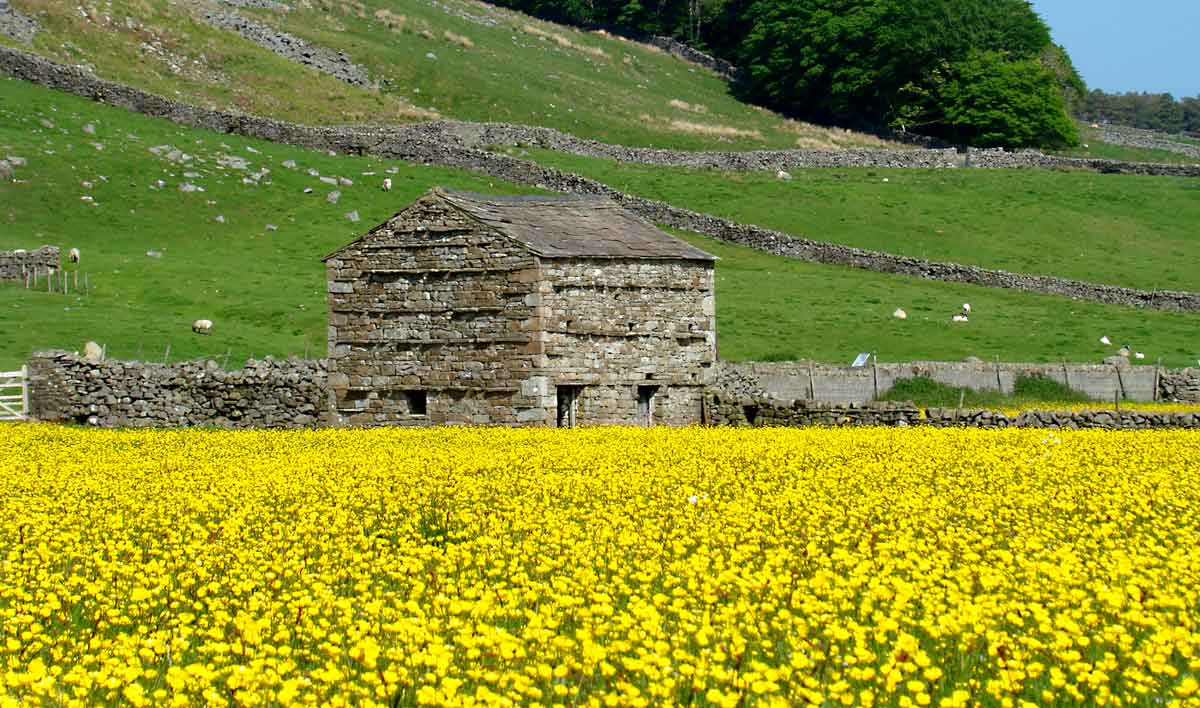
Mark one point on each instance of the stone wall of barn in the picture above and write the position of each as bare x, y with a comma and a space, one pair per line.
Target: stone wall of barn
430, 305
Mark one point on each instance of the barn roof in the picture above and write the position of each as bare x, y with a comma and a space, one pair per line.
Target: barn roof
573, 226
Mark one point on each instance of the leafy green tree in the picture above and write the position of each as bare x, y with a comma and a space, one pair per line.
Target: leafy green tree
988, 100
864, 62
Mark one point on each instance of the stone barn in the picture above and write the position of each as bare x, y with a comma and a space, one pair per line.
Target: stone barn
541, 310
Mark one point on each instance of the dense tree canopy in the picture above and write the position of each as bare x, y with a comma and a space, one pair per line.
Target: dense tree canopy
873, 64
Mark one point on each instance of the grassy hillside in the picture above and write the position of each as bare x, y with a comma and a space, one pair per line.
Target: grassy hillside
265, 289
454, 59
1118, 229
772, 308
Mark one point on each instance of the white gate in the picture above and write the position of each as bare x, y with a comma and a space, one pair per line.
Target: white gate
14, 395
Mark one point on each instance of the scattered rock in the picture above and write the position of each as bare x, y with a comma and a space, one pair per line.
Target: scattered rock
220, 219
353, 216
782, 175
345, 182
431, 56
290, 164
333, 197
6, 170
188, 188
154, 254
15, 161
87, 184
47, 123
330, 180
90, 129
313, 173
93, 353
324, 60
272, 227
308, 190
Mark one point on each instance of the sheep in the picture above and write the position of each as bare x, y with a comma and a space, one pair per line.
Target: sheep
959, 318
1106, 341
900, 314
1124, 351
966, 308
202, 326
73, 255
782, 175
387, 184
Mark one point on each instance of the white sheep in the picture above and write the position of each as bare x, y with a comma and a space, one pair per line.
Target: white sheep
73, 255
958, 318
966, 308
900, 314
202, 326
782, 175
1106, 341
387, 184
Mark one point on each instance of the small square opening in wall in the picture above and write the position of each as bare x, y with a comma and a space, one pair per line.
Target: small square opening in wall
416, 402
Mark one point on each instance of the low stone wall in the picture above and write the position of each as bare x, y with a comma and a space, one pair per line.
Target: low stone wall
1032, 159
1180, 385
1149, 140
787, 381
15, 264
427, 143
723, 409
65, 388
289, 46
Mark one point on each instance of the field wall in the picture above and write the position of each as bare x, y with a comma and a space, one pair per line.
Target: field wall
450, 145
788, 381
15, 264
65, 388
721, 410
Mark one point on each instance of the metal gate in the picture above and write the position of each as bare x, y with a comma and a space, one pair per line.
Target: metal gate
14, 395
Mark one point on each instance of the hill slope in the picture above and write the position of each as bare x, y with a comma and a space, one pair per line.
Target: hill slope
265, 289
427, 58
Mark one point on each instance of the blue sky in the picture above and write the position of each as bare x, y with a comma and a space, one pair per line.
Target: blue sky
1130, 45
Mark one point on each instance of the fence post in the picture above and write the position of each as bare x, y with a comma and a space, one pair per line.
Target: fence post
25, 391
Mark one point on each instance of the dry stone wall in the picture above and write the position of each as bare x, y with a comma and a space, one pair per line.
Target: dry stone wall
16, 24
1148, 139
289, 46
722, 409
66, 388
15, 264
427, 143
787, 381
1180, 385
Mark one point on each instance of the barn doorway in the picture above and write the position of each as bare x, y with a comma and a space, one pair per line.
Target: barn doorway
568, 405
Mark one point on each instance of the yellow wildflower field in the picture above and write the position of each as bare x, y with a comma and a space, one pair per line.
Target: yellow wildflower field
602, 567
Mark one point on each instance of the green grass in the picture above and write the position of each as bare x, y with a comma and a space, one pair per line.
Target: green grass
1028, 392
508, 74
265, 290
1097, 148
1124, 230
777, 309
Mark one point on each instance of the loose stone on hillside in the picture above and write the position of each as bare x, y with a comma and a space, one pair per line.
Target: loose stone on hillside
353, 216
333, 197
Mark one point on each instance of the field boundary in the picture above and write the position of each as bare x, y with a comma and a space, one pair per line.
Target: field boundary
14, 406
424, 143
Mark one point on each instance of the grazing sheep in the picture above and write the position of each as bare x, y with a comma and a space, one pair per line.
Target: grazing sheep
202, 326
783, 176
73, 255
387, 184
1106, 341
959, 318
1139, 355
966, 308
900, 314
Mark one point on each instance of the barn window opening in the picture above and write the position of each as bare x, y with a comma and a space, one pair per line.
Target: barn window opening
646, 396
568, 405
416, 402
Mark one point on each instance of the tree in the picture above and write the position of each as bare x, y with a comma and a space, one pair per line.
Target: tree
876, 63
988, 100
